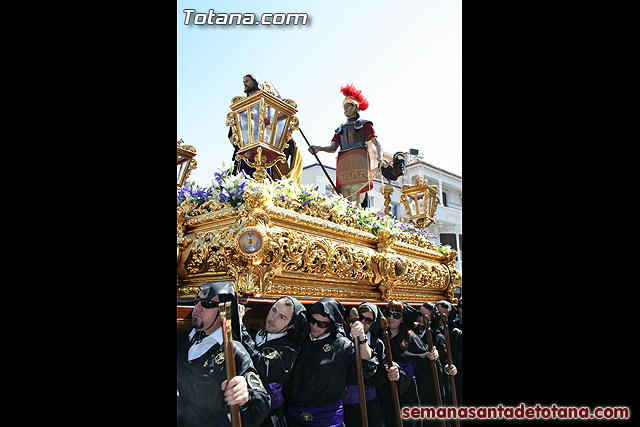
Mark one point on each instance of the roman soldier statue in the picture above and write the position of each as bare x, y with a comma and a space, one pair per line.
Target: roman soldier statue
353, 171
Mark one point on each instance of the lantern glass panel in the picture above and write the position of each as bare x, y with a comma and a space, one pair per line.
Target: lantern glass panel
269, 123
412, 207
420, 202
182, 162
255, 122
282, 121
429, 207
244, 127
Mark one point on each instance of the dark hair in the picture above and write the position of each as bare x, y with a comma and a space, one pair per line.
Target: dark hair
252, 78
287, 301
404, 333
429, 306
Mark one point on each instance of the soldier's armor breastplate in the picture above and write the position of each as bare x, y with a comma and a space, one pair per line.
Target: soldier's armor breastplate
352, 134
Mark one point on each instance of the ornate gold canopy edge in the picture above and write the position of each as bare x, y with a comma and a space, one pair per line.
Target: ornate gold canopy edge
269, 251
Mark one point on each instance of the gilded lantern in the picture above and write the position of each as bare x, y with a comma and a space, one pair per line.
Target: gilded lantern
421, 201
261, 127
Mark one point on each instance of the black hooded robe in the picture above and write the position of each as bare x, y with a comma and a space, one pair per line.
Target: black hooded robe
379, 381
199, 380
274, 360
320, 376
201, 400
455, 336
411, 361
375, 416
424, 377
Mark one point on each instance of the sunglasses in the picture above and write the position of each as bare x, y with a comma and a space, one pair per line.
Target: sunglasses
320, 323
395, 314
366, 319
206, 303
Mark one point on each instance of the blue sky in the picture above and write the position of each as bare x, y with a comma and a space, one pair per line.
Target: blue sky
405, 56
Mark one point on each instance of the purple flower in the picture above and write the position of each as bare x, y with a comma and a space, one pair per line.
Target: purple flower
219, 177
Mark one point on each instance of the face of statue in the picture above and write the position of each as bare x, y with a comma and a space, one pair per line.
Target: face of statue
349, 109
248, 82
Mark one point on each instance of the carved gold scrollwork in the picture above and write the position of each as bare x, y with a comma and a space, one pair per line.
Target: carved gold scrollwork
455, 279
386, 239
293, 125
390, 268
208, 252
231, 122
252, 279
322, 257
183, 242
316, 257
426, 275
252, 212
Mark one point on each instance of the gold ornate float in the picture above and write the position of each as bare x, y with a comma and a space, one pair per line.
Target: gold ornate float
270, 250
271, 246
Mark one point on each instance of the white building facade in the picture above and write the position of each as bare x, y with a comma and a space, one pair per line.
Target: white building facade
448, 225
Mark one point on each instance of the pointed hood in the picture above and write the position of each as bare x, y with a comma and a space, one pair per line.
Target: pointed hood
300, 328
375, 328
332, 309
225, 292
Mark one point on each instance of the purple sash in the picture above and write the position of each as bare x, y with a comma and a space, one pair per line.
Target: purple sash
408, 368
354, 397
322, 416
275, 391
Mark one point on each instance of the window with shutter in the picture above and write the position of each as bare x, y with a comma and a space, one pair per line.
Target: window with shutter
449, 239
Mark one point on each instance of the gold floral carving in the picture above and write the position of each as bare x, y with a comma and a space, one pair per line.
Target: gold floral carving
322, 257
183, 241
390, 268
231, 122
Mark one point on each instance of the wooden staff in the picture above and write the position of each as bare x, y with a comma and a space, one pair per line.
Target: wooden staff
353, 314
434, 369
454, 398
319, 162
229, 356
394, 390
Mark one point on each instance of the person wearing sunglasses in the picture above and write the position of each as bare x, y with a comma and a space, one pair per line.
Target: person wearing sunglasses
204, 392
315, 389
370, 316
409, 352
274, 350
